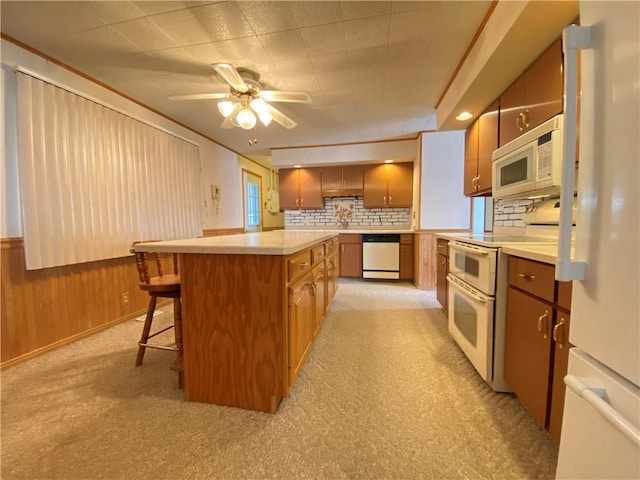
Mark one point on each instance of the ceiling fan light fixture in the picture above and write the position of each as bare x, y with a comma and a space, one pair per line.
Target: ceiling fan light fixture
226, 108
246, 119
259, 105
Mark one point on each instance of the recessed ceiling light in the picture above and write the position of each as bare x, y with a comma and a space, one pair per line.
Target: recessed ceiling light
464, 116
388, 161
297, 166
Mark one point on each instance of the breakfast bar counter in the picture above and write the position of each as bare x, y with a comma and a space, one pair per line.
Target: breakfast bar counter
251, 306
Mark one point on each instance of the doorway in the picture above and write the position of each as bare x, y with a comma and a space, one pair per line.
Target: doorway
252, 199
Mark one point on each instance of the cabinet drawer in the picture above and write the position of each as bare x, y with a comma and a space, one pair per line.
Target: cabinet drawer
350, 238
443, 247
317, 254
406, 239
533, 277
330, 246
298, 263
564, 295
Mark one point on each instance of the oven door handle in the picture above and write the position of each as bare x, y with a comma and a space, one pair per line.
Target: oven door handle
466, 290
459, 246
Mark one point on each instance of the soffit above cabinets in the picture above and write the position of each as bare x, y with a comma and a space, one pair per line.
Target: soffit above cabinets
376, 70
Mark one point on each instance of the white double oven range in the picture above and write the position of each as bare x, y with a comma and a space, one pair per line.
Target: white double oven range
478, 282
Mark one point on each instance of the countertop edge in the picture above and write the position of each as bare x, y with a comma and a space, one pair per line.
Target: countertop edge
523, 252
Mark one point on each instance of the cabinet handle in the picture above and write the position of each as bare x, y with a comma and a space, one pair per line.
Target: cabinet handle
526, 276
520, 121
559, 329
390, 200
342, 248
297, 202
304, 265
542, 318
525, 118
302, 202
384, 200
478, 182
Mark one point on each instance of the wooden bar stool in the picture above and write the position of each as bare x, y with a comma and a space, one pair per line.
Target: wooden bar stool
163, 286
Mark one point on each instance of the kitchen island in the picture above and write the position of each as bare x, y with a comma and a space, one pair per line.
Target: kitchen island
251, 306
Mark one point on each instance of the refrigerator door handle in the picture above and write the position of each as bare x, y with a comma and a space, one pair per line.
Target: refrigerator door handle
594, 397
574, 38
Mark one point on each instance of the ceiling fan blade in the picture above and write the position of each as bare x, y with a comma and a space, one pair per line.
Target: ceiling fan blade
286, 96
230, 75
199, 96
280, 117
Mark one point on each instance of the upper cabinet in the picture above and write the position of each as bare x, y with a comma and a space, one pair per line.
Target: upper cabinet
343, 181
534, 97
481, 139
388, 185
300, 188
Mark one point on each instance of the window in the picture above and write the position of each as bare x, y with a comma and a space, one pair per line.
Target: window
252, 211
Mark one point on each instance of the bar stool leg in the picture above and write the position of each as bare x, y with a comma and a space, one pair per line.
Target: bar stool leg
146, 329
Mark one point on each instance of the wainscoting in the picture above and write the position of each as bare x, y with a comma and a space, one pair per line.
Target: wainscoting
45, 309
426, 266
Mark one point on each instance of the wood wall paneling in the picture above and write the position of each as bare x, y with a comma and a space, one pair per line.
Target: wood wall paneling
47, 308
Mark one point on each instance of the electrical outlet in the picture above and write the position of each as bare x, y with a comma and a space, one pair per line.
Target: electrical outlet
124, 298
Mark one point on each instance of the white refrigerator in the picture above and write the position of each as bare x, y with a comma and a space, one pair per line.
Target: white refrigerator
600, 433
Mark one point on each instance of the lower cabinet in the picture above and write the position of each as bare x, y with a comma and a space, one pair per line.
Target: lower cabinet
350, 255
536, 344
406, 256
319, 292
442, 261
333, 271
301, 323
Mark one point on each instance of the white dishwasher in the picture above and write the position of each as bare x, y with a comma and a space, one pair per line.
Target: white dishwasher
381, 255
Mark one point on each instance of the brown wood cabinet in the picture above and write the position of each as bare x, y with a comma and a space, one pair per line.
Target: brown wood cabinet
388, 185
481, 139
536, 347
300, 188
350, 255
407, 258
343, 181
301, 323
534, 97
333, 269
442, 260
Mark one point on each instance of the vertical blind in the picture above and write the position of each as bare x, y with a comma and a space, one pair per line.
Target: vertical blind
93, 180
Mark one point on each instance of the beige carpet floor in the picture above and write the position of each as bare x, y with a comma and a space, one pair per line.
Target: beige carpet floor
385, 394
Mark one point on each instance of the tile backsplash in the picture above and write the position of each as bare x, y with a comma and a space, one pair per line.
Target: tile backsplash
326, 217
510, 213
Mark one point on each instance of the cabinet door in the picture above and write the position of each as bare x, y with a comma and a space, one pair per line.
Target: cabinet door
441, 280
487, 143
301, 311
332, 278
561, 347
375, 186
544, 86
512, 104
289, 193
351, 260
527, 357
320, 291
400, 190
353, 178
471, 158
310, 187
406, 262
331, 180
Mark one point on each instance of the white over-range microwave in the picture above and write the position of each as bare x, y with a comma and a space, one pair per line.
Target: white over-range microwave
530, 165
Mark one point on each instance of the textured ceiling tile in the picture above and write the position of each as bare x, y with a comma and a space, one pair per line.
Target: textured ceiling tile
299, 75
240, 52
155, 7
114, 12
411, 26
223, 20
368, 32
353, 10
323, 39
333, 71
315, 13
284, 45
268, 17
412, 6
92, 47
146, 34
184, 27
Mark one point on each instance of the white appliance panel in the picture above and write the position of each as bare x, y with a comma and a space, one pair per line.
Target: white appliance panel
606, 305
601, 412
471, 324
474, 264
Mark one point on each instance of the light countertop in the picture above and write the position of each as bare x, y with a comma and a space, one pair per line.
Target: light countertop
276, 242
546, 253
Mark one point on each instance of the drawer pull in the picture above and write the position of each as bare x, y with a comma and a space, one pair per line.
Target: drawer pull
543, 318
559, 328
527, 277
304, 264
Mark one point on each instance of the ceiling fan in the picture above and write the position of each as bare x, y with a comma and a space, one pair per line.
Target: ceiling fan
246, 99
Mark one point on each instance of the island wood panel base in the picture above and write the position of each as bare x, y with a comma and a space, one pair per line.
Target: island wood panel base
234, 332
